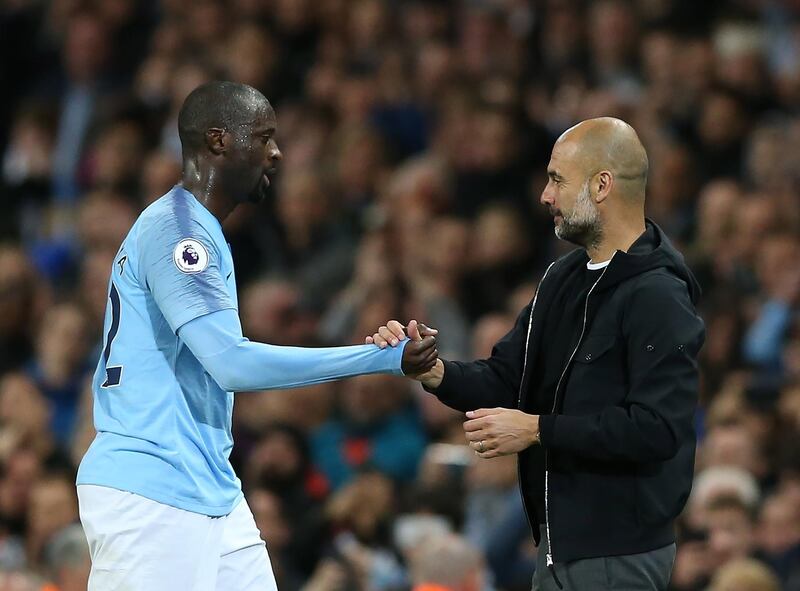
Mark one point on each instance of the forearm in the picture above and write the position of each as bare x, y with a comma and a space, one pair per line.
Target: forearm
239, 365
249, 366
466, 386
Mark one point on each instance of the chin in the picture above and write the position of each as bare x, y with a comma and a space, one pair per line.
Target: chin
259, 194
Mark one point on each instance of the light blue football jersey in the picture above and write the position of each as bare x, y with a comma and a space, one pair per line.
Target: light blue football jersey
164, 425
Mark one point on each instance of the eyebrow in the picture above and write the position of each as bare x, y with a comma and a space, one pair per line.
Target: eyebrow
553, 174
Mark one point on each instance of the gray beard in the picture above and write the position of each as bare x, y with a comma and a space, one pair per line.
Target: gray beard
582, 225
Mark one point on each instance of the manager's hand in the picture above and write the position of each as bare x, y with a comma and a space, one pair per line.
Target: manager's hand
392, 333
493, 432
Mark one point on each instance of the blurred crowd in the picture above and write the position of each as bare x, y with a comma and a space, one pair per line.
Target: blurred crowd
415, 136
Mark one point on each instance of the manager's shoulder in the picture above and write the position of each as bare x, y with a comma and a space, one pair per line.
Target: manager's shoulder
660, 289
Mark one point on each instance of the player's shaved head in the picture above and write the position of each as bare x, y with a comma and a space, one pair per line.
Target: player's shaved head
610, 144
227, 134
217, 104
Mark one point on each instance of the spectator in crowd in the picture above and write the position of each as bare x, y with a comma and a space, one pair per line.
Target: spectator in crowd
447, 561
377, 429
745, 575
67, 559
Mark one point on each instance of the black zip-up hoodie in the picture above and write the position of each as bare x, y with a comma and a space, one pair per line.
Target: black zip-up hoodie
618, 444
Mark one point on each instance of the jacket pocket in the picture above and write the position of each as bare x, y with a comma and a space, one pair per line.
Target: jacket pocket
594, 347
597, 377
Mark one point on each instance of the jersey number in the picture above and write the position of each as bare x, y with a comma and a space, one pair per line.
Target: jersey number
113, 374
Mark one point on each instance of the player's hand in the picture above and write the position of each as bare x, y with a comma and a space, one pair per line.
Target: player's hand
421, 354
493, 432
428, 370
393, 332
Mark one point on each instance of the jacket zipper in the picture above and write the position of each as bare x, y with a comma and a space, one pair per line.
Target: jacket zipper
549, 556
522, 381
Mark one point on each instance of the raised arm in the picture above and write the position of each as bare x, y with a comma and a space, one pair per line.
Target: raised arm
196, 302
240, 365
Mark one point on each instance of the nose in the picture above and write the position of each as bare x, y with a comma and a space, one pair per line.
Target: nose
546, 198
274, 153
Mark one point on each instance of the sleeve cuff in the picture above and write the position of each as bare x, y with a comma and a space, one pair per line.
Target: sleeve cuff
547, 426
397, 363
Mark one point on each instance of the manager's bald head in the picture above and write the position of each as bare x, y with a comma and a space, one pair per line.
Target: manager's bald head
597, 178
607, 143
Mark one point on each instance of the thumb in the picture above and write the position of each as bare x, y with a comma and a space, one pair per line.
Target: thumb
413, 331
427, 330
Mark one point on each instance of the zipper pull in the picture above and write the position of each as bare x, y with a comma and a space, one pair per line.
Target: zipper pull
552, 568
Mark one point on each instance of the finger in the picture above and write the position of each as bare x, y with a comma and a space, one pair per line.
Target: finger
388, 335
413, 330
418, 351
483, 412
430, 358
427, 330
425, 368
475, 436
369, 341
487, 452
476, 424
397, 329
427, 343
379, 340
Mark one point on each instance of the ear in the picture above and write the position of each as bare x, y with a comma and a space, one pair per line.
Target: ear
216, 140
603, 181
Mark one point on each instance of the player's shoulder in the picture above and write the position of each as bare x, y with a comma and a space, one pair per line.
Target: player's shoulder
176, 216
177, 226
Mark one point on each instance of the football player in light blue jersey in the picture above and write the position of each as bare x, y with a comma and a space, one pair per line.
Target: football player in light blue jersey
159, 501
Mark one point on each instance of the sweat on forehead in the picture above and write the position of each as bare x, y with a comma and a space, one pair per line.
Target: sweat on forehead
226, 105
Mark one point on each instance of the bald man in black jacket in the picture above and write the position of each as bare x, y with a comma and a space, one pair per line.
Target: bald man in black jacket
596, 385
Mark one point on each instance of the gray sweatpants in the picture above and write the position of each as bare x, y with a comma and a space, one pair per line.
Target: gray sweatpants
648, 571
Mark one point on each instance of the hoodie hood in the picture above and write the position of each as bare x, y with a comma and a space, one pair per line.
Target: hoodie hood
652, 250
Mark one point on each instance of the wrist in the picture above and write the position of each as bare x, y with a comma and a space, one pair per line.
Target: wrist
535, 429
433, 379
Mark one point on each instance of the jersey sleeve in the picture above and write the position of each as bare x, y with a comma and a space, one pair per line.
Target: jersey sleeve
240, 365
180, 264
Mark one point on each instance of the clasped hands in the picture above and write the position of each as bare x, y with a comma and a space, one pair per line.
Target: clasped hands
490, 432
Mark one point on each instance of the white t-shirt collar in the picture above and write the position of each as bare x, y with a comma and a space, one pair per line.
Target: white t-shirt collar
596, 266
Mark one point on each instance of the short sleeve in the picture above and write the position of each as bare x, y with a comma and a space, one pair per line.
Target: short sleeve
180, 266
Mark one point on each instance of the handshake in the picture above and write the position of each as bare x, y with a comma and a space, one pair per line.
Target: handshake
420, 357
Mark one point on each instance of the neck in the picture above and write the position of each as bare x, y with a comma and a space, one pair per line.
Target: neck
202, 181
616, 237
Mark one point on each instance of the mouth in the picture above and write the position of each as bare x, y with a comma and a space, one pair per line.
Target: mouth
266, 174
